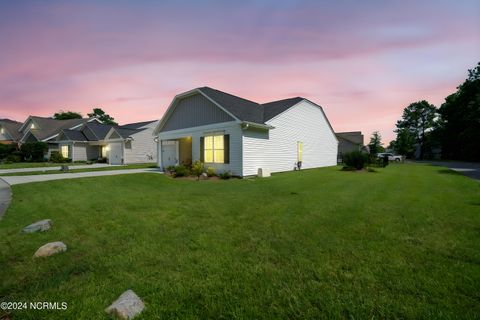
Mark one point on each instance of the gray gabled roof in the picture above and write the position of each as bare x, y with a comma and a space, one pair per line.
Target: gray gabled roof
125, 132
12, 127
48, 127
137, 125
99, 130
250, 111
74, 135
242, 109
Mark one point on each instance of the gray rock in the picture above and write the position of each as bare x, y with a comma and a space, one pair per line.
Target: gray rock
50, 249
127, 306
42, 225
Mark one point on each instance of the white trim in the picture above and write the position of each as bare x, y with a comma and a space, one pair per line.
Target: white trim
182, 132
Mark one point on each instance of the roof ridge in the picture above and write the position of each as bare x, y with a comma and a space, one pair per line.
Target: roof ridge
232, 95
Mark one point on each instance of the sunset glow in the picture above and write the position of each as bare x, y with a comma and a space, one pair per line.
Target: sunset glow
363, 61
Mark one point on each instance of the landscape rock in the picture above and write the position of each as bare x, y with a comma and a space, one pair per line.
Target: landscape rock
127, 306
50, 249
42, 225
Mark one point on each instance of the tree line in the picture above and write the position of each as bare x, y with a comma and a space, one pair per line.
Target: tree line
452, 130
96, 113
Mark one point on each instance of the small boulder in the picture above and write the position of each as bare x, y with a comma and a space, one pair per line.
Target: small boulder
50, 249
127, 306
42, 225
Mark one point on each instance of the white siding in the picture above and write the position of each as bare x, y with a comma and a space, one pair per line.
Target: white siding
231, 128
143, 148
277, 149
79, 152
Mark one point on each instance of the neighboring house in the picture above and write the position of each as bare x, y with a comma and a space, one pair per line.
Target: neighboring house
241, 136
127, 144
47, 129
348, 142
9, 131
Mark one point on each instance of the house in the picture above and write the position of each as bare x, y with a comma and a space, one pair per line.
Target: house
9, 131
127, 144
349, 141
233, 134
42, 129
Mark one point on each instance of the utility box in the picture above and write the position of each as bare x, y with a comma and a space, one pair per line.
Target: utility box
264, 172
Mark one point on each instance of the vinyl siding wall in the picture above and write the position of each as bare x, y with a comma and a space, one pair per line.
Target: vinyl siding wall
232, 128
195, 111
277, 148
143, 148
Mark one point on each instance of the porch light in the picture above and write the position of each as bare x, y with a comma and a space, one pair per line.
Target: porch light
107, 148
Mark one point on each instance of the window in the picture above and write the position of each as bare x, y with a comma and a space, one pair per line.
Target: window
64, 151
299, 151
32, 125
2, 131
214, 149
104, 151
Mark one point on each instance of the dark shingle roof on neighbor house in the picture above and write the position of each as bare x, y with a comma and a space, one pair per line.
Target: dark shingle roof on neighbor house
250, 111
12, 128
137, 125
48, 127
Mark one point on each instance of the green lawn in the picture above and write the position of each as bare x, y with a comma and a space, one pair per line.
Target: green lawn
400, 243
125, 167
21, 165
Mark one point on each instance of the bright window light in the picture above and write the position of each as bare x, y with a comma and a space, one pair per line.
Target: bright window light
214, 149
64, 150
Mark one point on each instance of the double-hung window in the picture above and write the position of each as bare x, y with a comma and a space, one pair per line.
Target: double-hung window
64, 151
214, 149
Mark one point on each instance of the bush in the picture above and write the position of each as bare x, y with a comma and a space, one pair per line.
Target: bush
211, 172
355, 159
13, 158
170, 169
197, 169
57, 157
6, 150
181, 171
34, 151
225, 175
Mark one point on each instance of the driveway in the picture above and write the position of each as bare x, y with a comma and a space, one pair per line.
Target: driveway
470, 169
87, 166
59, 176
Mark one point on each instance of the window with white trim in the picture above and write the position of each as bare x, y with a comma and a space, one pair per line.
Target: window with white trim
214, 149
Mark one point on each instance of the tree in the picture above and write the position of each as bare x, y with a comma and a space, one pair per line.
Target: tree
459, 124
418, 119
375, 144
65, 115
34, 151
404, 144
102, 116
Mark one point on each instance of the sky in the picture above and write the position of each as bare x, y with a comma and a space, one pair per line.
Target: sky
362, 61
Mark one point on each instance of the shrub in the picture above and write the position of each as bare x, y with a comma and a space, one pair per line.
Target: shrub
181, 171
211, 172
13, 158
225, 175
197, 169
6, 150
57, 157
170, 169
34, 151
102, 160
355, 159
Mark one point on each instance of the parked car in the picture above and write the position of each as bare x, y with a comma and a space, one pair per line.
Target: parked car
391, 156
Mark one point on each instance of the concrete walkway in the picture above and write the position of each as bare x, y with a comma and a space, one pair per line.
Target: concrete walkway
5, 197
87, 166
12, 180
470, 169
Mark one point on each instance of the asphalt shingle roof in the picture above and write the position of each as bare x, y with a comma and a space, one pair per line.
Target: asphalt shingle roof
137, 125
246, 110
74, 135
12, 128
47, 127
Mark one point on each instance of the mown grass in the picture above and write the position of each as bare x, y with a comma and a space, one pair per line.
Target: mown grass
399, 243
109, 168
21, 165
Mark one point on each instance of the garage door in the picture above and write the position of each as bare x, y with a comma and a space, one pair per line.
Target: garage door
116, 153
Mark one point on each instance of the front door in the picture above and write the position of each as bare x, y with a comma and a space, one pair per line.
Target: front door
169, 153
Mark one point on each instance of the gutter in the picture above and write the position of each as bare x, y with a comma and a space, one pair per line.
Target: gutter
247, 124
